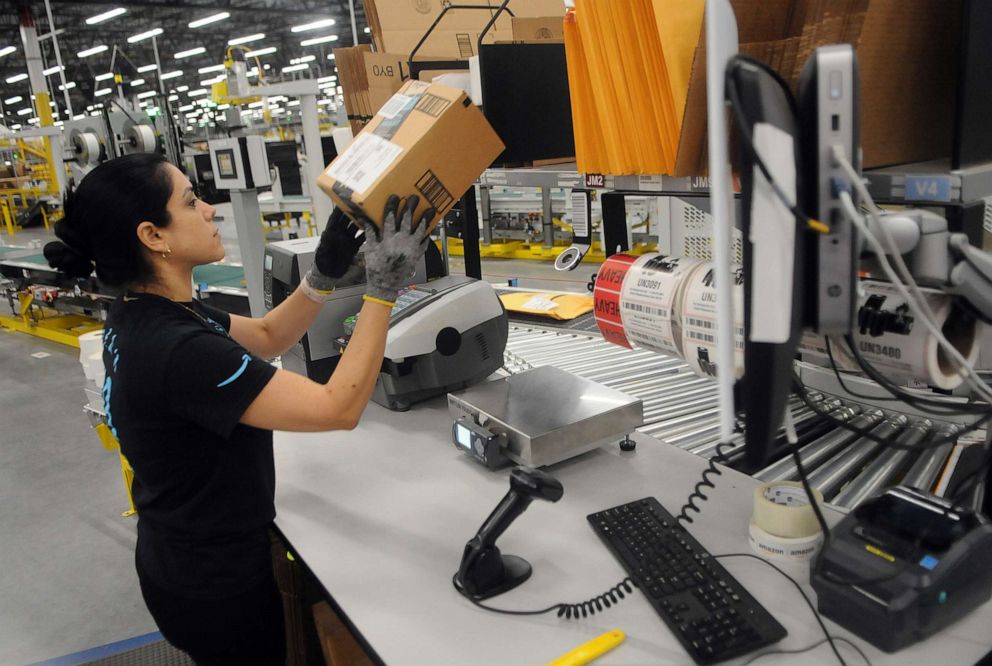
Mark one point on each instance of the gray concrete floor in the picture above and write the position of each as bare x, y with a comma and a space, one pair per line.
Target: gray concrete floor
67, 556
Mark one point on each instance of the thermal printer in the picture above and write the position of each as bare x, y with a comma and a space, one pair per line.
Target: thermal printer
317, 353
443, 336
902, 566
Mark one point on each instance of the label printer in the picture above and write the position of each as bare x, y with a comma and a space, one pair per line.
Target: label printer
443, 335
902, 566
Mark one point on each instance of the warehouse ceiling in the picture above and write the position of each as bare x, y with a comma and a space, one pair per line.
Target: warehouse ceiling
275, 19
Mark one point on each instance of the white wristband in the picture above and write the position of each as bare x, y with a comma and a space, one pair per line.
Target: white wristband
315, 295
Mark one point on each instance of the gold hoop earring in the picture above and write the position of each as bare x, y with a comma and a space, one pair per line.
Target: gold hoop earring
168, 251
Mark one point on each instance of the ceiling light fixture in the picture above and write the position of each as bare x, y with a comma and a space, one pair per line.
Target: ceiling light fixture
313, 26
191, 52
49, 71
176, 73
86, 53
105, 16
104, 76
147, 68
211, 68
7, 50
260, 52
137, 82
102, 91
319, 40
199, 23
247, 38
154, 32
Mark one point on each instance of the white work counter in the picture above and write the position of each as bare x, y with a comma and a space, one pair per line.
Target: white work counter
381, 515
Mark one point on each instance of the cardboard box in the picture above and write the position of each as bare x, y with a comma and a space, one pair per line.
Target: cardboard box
540, 29
350, 63
907, 64
428, 140
386, 74
397, 25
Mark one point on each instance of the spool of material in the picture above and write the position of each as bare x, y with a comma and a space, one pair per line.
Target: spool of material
698, 321
650, 301
86, 145
783, 524
140, 139
664, 304
910, 355
89, 344
96, 370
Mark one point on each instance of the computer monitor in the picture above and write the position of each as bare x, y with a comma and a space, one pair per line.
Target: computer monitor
773, 244
785, 138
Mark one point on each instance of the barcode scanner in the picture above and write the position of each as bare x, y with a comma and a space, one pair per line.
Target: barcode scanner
484, 571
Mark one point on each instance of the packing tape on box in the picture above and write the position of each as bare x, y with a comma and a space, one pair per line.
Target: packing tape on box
907, 353
664, 304
783, 524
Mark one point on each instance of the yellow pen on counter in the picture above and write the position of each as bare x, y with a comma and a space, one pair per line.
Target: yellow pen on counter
589, 651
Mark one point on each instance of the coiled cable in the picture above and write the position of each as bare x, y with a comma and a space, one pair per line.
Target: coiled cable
705, 482
568, 611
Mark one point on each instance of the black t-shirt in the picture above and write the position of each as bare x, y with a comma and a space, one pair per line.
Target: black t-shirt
176, 387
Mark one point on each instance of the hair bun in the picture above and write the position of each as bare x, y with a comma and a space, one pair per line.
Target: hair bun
68, 260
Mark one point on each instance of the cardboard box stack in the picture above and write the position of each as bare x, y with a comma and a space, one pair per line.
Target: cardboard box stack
354, 84
428, 140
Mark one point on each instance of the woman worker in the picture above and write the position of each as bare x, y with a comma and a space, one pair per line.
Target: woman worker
193, 404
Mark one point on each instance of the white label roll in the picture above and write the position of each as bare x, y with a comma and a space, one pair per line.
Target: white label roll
698, 321
910, 353
649, 301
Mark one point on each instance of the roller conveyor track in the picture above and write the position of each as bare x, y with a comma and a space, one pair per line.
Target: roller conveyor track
680, 409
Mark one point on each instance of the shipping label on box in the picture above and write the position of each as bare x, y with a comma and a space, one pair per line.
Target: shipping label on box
427, 139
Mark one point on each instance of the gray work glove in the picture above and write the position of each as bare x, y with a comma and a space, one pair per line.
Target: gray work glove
391, 255
337, 262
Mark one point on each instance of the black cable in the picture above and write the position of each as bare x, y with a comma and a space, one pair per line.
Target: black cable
816, 614
569, 611
809, 648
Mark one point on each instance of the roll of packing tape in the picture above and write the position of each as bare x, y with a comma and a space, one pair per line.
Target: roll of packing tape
783, 525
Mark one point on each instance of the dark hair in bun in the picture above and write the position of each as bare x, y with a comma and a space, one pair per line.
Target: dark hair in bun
102, 216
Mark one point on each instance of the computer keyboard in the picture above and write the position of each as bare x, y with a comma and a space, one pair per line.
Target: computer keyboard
712, 615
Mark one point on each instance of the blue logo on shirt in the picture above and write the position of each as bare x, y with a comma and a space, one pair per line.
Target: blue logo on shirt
240, 371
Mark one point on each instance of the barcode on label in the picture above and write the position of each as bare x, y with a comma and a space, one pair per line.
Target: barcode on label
645, 309
702, 337
701, 323
432, 105
394, 105
434, 191
368, 156
578, 206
